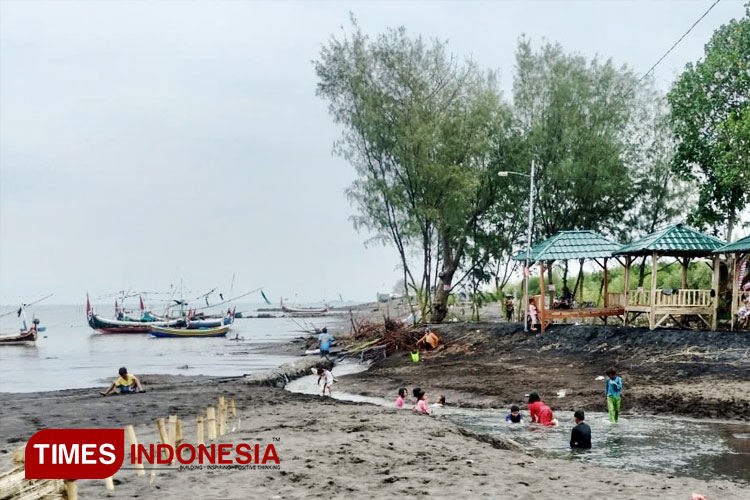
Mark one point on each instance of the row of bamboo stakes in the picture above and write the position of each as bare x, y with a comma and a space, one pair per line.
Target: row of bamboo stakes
214, 424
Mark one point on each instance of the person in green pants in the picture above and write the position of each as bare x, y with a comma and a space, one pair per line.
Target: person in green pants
613, 390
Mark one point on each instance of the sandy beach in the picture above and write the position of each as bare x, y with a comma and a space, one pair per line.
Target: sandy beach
336, 449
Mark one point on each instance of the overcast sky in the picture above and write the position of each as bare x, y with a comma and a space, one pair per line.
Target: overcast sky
145, 142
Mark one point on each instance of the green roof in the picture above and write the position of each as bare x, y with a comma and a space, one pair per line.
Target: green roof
571, 245
678, 239
742, 245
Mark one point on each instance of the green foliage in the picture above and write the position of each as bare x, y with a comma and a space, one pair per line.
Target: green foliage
711, 120
575, 115
427, 136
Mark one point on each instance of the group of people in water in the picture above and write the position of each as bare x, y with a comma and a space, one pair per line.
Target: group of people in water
539, 412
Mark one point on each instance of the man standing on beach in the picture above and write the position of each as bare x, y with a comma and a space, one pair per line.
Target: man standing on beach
324, 343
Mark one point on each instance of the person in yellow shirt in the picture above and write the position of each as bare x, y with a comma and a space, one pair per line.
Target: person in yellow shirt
125, 384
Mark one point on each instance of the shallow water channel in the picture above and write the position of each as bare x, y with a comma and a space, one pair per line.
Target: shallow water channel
705, 449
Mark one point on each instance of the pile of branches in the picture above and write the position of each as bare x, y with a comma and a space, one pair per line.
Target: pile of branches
393, 334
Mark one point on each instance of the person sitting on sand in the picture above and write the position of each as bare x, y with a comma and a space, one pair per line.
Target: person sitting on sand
429, 337
539, 412
402, 393
423, 406
327, 379
514, 417
126, 383
580, 436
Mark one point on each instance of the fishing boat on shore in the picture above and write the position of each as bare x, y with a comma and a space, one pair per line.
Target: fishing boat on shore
200, 321
158, 331
303, 310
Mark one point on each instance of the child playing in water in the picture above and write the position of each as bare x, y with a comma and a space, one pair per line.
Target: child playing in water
422, 404
402, 393
125, 384
539, 412
326, 377
514, 417
580, 436
440, 402
613, 391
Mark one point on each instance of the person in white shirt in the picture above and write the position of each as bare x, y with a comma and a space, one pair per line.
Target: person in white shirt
325, 381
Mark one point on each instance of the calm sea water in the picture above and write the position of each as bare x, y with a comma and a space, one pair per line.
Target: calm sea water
69, 354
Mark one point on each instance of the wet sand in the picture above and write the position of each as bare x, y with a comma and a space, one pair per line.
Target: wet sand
334, 449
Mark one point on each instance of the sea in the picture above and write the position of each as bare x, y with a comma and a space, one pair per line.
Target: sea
69, 354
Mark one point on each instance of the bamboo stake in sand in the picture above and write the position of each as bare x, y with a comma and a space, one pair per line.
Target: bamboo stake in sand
232, 408
133, 441
71, 489
178, 442
211, 422
109, 483
162, 431
222, 415
199, 430
173, 436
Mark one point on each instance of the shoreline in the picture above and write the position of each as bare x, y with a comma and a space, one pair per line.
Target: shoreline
324, 441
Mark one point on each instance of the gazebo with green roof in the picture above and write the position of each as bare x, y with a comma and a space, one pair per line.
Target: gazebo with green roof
740, 275
683, 243
568, 245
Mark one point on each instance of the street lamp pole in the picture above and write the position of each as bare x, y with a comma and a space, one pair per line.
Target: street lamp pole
527, 271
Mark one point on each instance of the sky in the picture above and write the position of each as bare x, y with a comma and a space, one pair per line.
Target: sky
144, 144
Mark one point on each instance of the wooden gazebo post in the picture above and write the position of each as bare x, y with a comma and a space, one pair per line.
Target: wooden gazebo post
715, 288
606, 295
627, 287
652, 305
540, 306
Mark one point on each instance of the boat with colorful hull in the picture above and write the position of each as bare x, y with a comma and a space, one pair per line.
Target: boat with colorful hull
104, 325
158, 331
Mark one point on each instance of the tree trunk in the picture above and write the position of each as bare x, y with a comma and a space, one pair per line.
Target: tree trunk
730, 225
450, 264
642, 272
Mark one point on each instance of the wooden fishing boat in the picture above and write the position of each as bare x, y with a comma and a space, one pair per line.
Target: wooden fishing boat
158, 331
104, 325
27, 337
303, 310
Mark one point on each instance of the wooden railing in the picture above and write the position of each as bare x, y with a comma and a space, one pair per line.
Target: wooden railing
679, 298
639, 298
684, 298
616, 299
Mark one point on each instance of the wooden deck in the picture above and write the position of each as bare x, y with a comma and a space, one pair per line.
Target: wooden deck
548, 316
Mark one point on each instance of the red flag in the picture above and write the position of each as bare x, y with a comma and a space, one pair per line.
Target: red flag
88, 306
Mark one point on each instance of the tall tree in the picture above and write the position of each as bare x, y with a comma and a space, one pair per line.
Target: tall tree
574, 114
662, 197
423, 132
711, 120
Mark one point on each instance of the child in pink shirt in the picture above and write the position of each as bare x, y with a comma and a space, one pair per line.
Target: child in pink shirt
402, 393
422, 406
533, 314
